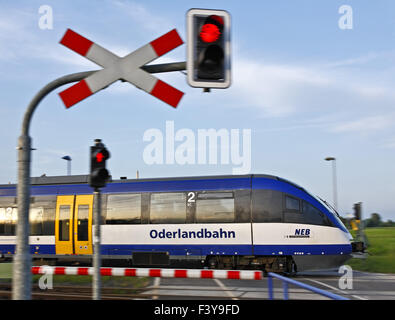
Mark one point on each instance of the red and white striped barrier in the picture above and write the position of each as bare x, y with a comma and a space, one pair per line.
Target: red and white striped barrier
146, 272
116, 68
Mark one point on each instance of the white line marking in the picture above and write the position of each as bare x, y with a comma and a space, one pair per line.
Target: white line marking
334, 288
223, 287
156, 286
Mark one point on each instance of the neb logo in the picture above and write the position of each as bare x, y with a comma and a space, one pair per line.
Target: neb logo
302, 232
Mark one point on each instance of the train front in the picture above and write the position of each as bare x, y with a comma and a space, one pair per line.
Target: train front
352, 246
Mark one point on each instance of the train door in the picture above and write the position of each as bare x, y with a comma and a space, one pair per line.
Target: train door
83, 224
73, 225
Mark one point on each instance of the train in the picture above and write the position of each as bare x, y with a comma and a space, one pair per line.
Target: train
253, 221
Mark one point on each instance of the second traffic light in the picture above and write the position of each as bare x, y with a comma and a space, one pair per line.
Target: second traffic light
99, 175
357, 211
208, 48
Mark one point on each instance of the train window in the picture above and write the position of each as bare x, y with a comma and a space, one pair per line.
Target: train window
42, 215
123, 209
267, 206
83, 222
8, 219
2, 221
168, 208
64, 223
8, 215
293, 210
314, 216
292, 203
36, 218
243, 205
215, 210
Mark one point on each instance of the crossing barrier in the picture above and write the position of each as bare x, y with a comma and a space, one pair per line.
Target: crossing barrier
186, 273
148, 272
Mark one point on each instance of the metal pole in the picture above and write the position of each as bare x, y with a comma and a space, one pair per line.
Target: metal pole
21, 280
165, 67
285, 290
96, 245
334, 178
334, 184
270, 287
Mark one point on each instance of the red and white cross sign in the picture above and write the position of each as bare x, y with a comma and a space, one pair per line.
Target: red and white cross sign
116, 68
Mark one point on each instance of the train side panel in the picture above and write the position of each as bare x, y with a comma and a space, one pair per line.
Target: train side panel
179, 240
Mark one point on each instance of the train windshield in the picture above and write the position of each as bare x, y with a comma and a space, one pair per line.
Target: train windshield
331, 209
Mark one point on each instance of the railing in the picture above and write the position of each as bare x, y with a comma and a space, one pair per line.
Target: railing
286, 281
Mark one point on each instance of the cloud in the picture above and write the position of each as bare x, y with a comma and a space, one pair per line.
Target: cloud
21, 38
361, 60
279, 90
374, 123
14, 25
143, 17
338, 100
388, 143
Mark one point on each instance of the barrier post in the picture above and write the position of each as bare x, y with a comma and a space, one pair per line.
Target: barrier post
96, 246
270, 287
285, 290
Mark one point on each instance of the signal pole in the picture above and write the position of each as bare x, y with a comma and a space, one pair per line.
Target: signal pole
96, 245
98, 177
334, 178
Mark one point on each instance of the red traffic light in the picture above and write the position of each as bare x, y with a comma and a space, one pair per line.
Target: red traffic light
212, 29
210, 32
99, 157
208, 48
99, 175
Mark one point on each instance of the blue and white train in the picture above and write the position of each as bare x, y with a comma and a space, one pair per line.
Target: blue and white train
243, 222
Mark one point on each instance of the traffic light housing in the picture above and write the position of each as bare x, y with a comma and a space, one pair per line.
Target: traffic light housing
208, 48
357, 211
99, 175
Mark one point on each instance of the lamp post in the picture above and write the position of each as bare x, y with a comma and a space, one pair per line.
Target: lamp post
68, 159
334, 180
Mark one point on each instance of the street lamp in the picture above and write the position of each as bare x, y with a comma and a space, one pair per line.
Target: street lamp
334, 180
68, 159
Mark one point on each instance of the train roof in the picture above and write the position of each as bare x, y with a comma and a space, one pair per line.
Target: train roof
84, 179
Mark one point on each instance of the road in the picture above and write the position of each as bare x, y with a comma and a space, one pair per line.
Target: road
365, 286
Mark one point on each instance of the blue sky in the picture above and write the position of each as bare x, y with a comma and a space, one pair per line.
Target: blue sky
304, 87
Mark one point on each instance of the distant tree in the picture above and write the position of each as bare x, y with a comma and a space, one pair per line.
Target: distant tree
374, 221
389, 223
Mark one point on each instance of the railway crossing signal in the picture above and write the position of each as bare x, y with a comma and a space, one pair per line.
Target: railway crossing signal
358, 225
116, 68
131, 68
99, 175
208, 48
357, 211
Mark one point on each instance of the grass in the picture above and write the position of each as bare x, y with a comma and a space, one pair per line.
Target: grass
381, 251
107, 281
5, 270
